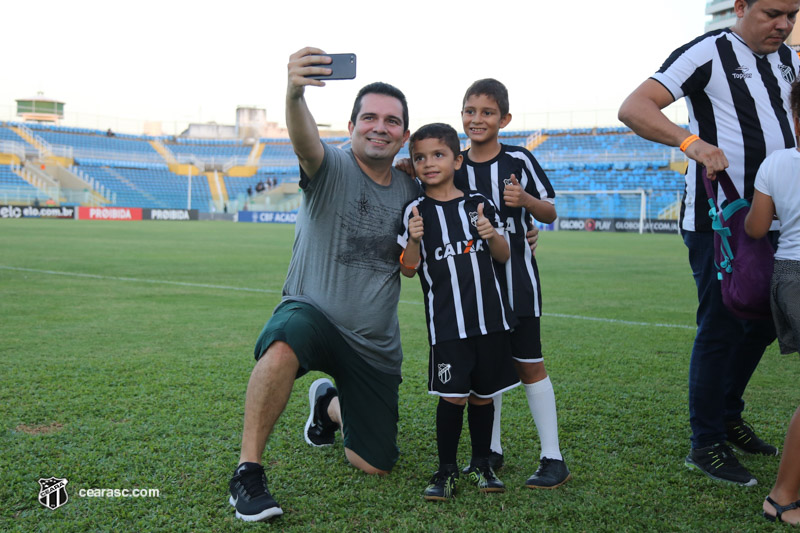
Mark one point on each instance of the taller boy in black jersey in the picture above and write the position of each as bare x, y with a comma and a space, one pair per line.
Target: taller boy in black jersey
450, 236
516, 183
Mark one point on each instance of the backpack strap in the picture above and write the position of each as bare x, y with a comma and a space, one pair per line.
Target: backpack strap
723, 232
731, 194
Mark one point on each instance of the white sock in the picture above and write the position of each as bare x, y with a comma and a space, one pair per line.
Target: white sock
542, 403
498, 408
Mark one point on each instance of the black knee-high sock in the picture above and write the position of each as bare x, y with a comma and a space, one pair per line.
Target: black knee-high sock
449, 419
481, 418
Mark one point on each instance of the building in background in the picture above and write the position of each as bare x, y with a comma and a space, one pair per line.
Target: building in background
722, 15
40, 109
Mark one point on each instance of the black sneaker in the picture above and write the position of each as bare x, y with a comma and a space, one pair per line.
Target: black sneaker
316, 432
551, 473
741, 435
481, 475
250, 496
495, 461
718, 462
442, 486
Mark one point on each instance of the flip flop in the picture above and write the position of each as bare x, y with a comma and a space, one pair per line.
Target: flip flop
779, 509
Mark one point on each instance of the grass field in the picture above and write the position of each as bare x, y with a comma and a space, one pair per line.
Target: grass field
126, 350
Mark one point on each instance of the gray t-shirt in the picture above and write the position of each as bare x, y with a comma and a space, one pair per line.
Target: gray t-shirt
345, 258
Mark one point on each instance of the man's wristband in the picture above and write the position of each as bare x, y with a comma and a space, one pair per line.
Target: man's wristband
409, 266
688, 141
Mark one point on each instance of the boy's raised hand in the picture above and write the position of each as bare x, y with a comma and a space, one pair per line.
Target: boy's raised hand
513, 194
484, 227
415, 226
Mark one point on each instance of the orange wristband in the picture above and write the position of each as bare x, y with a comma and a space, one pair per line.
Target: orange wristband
409, 266
688, 141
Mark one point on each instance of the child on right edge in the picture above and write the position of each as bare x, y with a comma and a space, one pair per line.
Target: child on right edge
453, 238
777, 194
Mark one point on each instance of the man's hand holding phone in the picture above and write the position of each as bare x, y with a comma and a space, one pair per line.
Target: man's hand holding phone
302, 64
311, 66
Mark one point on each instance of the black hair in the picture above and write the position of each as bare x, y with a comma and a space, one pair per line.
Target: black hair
444, 132
380, 87
794, 99
491, 88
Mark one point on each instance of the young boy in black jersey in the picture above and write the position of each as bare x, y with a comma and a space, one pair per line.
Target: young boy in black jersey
516, 183
453, 238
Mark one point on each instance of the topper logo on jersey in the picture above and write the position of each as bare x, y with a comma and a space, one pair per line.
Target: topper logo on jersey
473, 218
461, 247
787, 73
742, 72
444, 372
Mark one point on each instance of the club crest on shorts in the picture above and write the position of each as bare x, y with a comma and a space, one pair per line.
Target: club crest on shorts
444, 372
53, 493
787, 73
473, 218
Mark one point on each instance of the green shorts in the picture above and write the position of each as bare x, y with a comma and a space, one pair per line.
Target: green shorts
367, 396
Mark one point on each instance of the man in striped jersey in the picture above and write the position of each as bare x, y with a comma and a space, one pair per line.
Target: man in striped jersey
736, 82
515, 181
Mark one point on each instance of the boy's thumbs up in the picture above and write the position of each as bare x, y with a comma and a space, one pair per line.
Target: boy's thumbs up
513, 194
415, 211
480, 209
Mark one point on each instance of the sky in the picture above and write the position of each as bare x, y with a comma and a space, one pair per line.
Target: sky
118, 64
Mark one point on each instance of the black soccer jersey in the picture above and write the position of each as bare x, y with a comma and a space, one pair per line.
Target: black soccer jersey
520, 274
463, 297
738, 101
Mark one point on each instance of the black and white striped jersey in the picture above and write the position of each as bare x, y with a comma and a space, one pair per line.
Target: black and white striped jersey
520, 274
738, 101
463, 297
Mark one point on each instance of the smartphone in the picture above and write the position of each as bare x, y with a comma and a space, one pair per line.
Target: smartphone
343, 67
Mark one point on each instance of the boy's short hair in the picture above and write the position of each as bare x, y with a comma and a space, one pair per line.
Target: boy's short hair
491, 88
444, 132
385, 89
794, 98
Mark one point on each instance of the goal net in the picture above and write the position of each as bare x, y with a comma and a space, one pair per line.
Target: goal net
613, 210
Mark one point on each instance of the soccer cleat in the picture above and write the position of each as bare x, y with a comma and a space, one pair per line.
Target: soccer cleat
741, 435
481, 475
250, 496
442, 486
316, 432
551, 473
718, 462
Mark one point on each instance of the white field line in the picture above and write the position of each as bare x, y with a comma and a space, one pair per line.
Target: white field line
138, 280
273, 291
